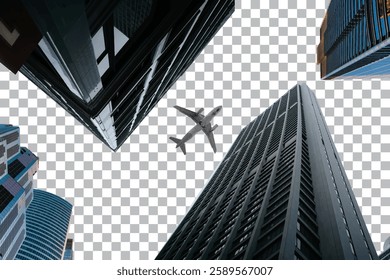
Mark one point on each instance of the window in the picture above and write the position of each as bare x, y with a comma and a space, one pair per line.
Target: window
239, 250
219, 249
120, 40
384, 12
244, 237
249, 226
224, 239
5, 196
348, 233
255, 208
251, 217
352, 248
298, 243
12, 151
11, 137
234, 214
2, 150
2, 168
269, 250
228, 229
232, 221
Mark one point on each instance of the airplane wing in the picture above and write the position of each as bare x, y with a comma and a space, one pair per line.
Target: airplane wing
210, 135
196, 117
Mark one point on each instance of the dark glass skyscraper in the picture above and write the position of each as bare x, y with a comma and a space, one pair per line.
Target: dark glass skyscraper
47, 222
17, 167
385, 255
280, 193
355, 39
108, 62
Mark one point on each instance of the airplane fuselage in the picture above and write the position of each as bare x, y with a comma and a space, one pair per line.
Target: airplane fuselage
208, 118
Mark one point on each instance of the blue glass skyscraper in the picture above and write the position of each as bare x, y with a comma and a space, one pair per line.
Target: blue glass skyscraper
355, 40
17, 167
47, 223
68, 253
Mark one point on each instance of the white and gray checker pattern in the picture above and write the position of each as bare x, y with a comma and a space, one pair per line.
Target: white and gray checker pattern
127, 204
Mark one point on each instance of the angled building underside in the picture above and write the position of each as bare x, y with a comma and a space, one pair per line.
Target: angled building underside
109, 62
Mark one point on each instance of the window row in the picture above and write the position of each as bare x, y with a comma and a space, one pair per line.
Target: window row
261, 148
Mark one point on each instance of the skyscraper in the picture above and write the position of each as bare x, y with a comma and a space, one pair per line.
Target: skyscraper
109, 62
47, 222
280, 193
385, 255
68, 253
17, 167
355, 39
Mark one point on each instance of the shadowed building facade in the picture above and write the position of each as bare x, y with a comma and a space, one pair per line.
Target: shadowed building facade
355, 40
17, 167
280, 192
47, 222
109, 62
385, 255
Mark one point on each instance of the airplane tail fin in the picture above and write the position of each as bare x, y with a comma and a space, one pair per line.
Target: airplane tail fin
177, 141
214, 127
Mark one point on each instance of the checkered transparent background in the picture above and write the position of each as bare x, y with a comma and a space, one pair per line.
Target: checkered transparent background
127, 204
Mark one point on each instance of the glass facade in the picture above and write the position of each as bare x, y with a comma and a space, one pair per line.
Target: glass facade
17, 166
355, 39
279, 193
68, 253
385, 255
47, 221
108, 62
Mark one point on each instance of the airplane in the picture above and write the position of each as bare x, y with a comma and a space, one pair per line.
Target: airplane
202, 123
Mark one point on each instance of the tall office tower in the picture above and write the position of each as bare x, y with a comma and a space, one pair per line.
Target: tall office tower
355, 39
47, 222
279, 193
108, 62
17, 167
385, 255
68, 253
